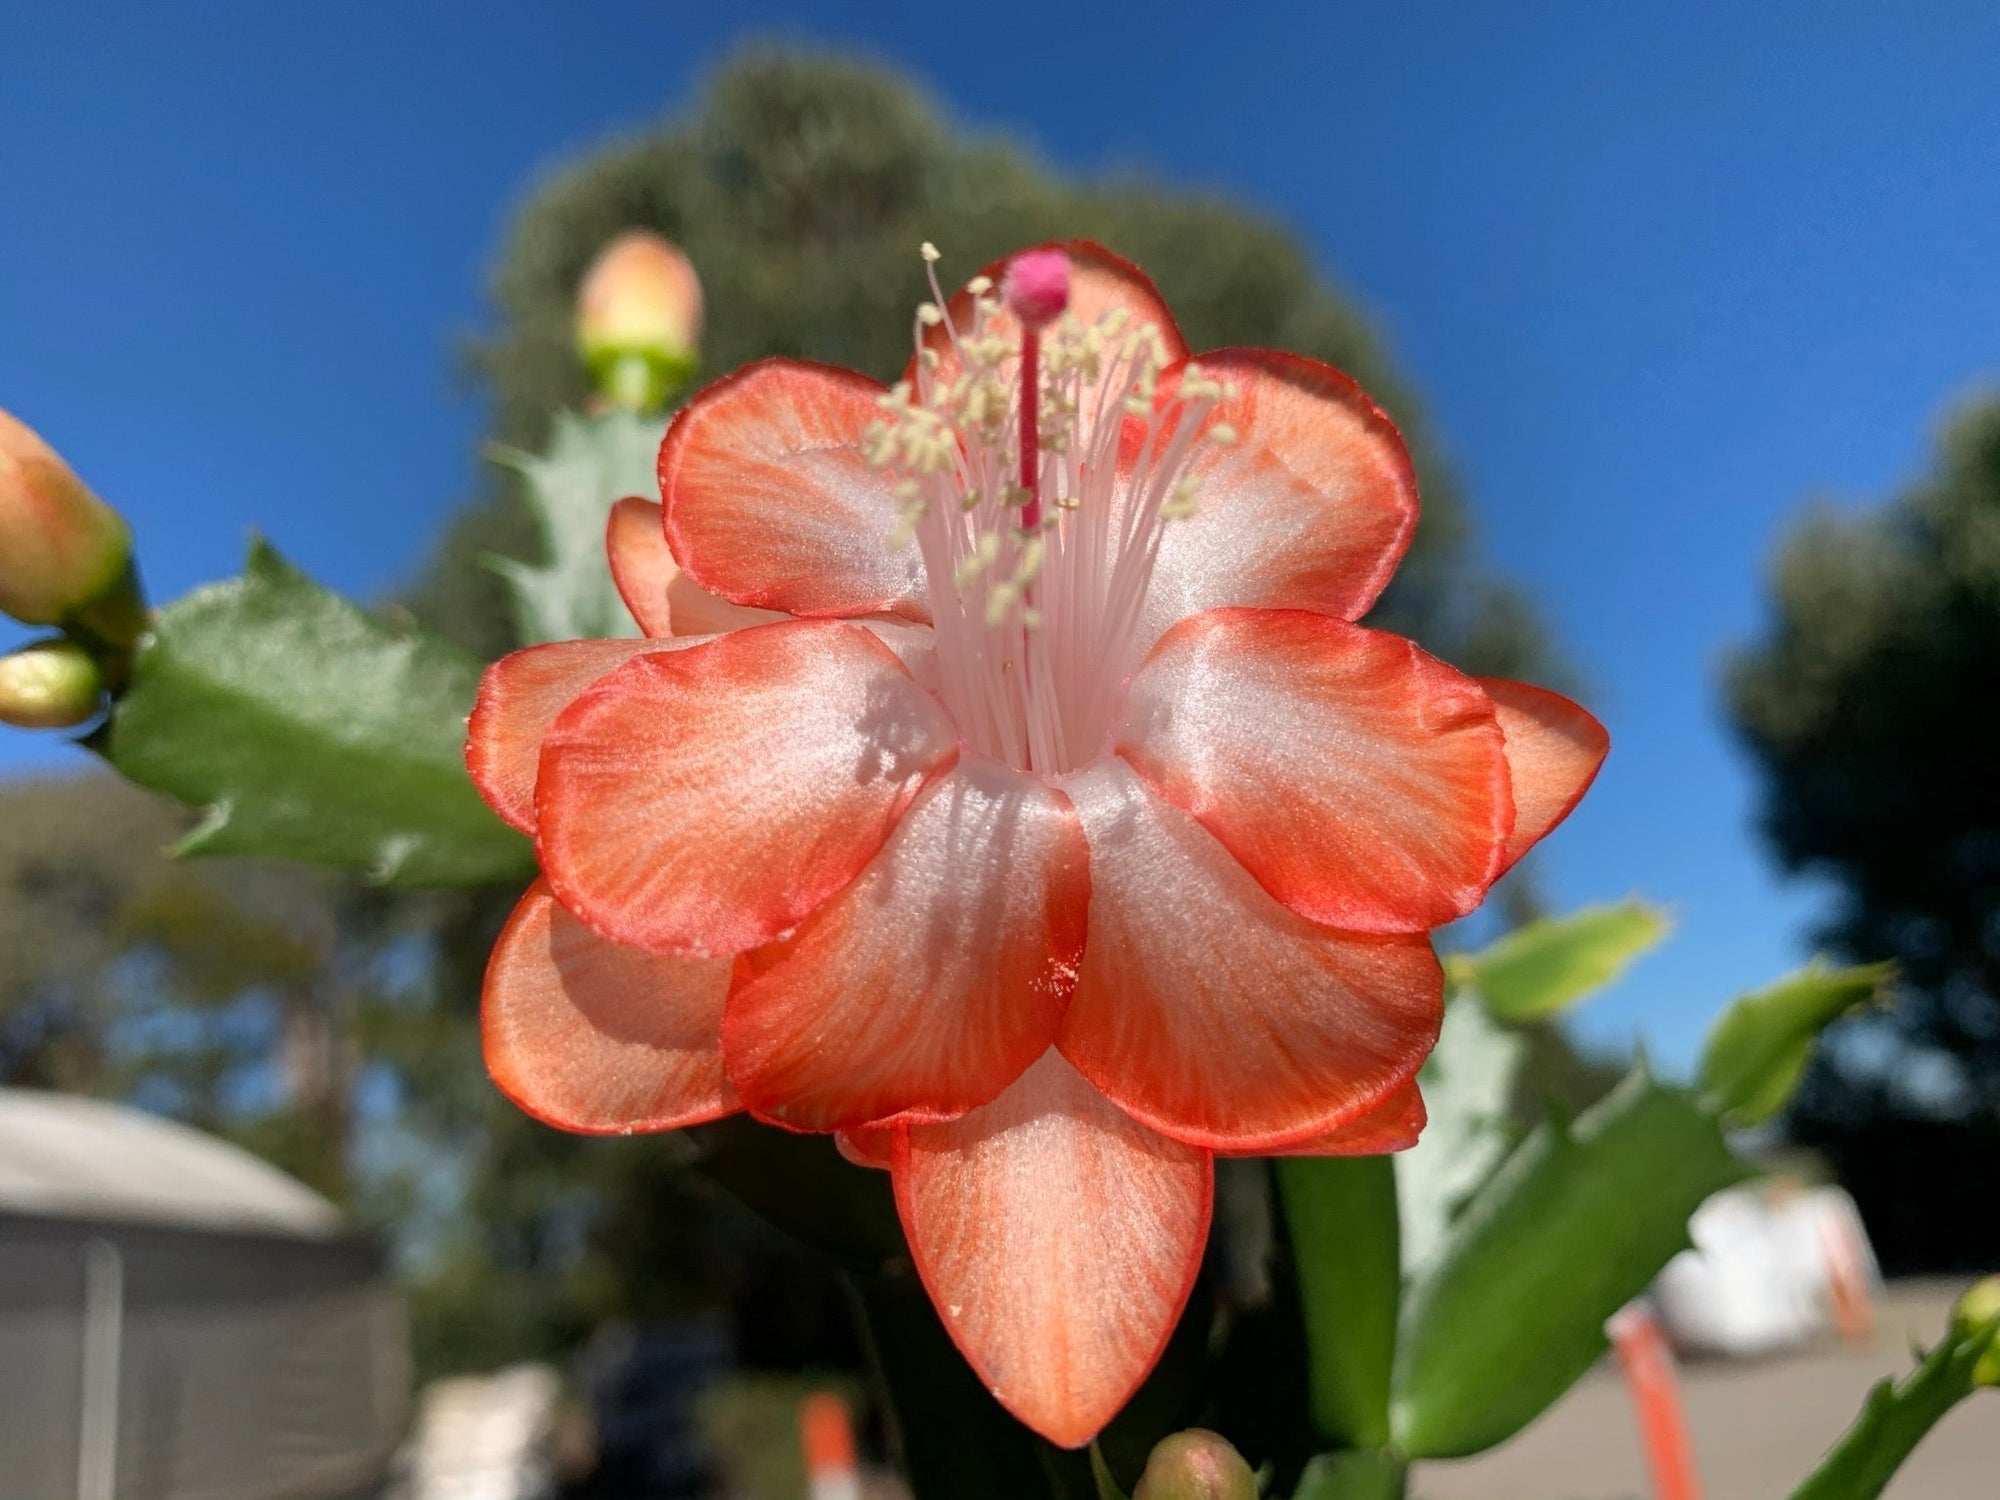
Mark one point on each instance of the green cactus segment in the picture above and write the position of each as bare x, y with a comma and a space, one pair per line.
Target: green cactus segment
309, 729
591, 464
1574, 1224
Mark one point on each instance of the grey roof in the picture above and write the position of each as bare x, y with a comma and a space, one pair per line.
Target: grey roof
63, 1157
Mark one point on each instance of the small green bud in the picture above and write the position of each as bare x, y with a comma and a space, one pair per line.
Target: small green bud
60, 546
1978, 1307
52, 684
1196, 1465
638, 320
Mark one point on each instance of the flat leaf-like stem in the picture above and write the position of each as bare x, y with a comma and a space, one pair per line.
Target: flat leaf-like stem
1547, 966
1758, 1048
307, 728
591, 463
1574, 1225
1895, 1418
1341, 1215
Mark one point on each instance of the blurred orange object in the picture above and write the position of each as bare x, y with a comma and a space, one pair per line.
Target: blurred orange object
827, 1433
1848, 1278
1648, 1363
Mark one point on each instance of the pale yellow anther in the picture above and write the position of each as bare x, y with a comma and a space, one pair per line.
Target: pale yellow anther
979, 286
929, 252
999, 600
1222, 435
929, 314
1181, 501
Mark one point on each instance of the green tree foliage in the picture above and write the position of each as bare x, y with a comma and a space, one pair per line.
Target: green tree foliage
801, 188
1868, 705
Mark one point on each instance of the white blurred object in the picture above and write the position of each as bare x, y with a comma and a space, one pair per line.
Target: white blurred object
1774, 1266
486, 1437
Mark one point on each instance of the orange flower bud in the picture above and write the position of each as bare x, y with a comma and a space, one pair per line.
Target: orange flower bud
60, 546
638, 320
52, 684
1196, 1465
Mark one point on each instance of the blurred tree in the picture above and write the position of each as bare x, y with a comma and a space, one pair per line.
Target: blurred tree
801, 188
223, 993
1867, 706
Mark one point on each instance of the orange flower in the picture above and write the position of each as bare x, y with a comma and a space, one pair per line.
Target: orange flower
1030, 811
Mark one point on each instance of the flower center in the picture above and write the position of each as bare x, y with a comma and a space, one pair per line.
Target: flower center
1039, 460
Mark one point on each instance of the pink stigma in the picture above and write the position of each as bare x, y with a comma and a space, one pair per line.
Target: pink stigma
1037, 287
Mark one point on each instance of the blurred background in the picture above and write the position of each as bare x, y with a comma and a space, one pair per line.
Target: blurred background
1688, 313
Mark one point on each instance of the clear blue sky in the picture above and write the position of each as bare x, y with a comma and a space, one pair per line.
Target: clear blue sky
1661, 272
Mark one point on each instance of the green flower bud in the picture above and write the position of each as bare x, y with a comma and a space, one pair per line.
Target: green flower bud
60, 546
638, 320
52, 684
1196, 1465
1978, 1307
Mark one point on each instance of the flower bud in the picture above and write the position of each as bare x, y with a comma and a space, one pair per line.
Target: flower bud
638, 320
1195, 1465
60, 546
1978, 1307
52, 684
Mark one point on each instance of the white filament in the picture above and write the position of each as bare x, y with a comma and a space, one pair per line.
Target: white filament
1036, 627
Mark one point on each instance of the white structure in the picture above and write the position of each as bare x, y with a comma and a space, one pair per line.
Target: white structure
181, 1321
1774, 1266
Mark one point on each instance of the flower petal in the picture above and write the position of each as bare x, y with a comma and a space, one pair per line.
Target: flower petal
1311, 507
519, 698
1360, 779
936, 978
1393, 1125
869, 1146
594, 1037
770, 503
1212, 1013
1059, 1239
1554, 750
663, 599
1099, 282
703, 801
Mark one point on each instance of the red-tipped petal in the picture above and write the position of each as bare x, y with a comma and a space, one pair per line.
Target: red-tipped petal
1099, 283
594, 1037
519, 698
1393, 1125
1311, 507
936, 978
1554, 750
635, 540
868, 1146
1212, 1013
663, 599
703, 801
1360, 779
770, 503
1059, 1239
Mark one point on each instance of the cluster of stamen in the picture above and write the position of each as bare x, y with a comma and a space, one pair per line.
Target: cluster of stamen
1039, 552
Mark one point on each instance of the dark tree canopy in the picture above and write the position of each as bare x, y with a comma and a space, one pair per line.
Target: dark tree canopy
801, 189
1869, 706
